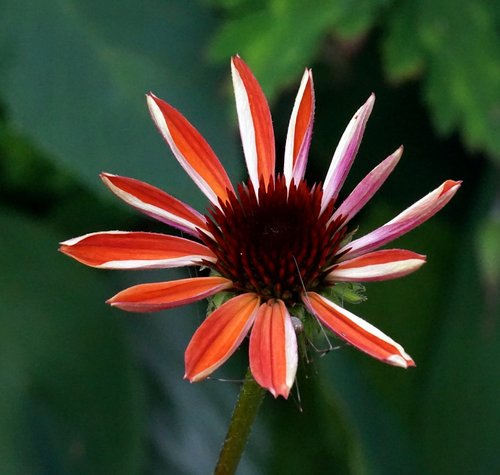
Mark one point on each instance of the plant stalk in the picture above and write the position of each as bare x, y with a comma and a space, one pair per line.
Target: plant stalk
245, 411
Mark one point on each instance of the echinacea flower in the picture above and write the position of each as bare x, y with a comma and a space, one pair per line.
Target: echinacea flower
273, 244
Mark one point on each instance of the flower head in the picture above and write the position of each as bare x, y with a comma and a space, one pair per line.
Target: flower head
273, 245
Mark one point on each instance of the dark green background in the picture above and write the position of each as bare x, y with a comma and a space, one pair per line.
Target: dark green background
90, 390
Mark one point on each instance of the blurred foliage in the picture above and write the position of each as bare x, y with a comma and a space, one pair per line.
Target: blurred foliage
71, 397
454, 50
91, 390
282, 36
74, 82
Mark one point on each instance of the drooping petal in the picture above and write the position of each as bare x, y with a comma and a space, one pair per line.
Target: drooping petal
273, 349
191, 150
378, 265
135, 250
346, 152
256, 128
155, 203
367, 187
409, 219
299, 134
357, 331
219, 335
162, 295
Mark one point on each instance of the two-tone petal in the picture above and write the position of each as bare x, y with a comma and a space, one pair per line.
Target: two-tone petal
191, 150
299, 134
378, 265
273, 349
346, 152
156, 203
366, 188
136, 250
409, 219
357, 331
256, 128
163, 295
219, 335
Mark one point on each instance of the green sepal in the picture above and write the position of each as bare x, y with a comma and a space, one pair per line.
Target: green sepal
217, 300
342, 292
348, 238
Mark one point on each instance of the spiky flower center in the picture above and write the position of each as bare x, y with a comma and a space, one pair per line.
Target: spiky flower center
275, 245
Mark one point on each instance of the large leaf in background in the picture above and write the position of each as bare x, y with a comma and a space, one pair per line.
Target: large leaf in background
460, 420
457, 50
74, 75
283, 36
382, 442
70, 399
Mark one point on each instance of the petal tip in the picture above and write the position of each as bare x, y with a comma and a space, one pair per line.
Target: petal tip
401, 361
451, 185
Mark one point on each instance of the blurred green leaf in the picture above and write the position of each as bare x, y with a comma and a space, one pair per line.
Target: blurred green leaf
283, 36
457, 49
74, 75
70, 399
381, 442
488, 248
460, 419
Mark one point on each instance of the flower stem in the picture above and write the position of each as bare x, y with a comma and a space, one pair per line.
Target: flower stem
245, 411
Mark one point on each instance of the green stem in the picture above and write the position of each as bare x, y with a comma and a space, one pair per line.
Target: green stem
245, 411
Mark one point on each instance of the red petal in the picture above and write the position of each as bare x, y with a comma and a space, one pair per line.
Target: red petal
163, 295
155, 203
219, 335
404, 222
191, 150
357, 331
135, 250
256, 126
378, 265
273, 349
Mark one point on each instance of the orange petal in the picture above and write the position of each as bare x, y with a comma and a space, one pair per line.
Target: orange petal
273, 349
163, 295
155, 203
219, 335
256, 127
135, 250
299, 134
357, 331
191, 150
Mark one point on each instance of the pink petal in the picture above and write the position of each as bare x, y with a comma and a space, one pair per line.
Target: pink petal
191, 150
273, 349
367, 187
219, 335
346, 152
155, 203
378, 265
299, 134
357, 331
163, 295
135, 250
255, 122
409, 219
